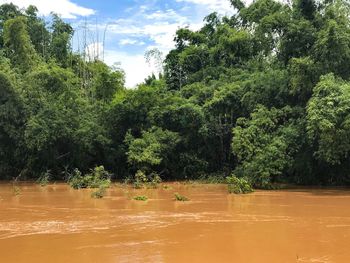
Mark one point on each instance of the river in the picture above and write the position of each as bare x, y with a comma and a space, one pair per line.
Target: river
58, 224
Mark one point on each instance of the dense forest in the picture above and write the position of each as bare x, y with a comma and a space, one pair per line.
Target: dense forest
263, 94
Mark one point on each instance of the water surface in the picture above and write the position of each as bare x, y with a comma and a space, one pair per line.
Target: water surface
59, 224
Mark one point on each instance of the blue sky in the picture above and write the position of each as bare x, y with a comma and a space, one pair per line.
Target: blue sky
133, 26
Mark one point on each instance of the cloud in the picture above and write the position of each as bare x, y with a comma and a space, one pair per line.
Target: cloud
135, 66
220, 6
158, 27
142, 27
129, 41
65, 8
94, 51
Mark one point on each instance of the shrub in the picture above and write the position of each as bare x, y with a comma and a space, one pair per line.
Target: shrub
97, 178
141, 198
182, 198
151, 181
238, 185
76, 180
140, 179
44, 178
155, 180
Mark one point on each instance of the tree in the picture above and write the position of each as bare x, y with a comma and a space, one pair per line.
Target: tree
60, 47
265, 144
152, 150
18, 45
12, 119
328, 119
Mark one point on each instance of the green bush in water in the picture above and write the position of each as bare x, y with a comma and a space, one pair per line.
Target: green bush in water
97, 178
238, 185
141, 198
142, 180
154, 180
44, 178
181, 198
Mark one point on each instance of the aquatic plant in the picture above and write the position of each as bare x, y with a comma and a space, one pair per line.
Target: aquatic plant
16, 190
141, 198
167, 187
181, 198
99, 193
237, 185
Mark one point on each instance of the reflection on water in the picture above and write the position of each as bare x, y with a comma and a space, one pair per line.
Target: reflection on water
58, 224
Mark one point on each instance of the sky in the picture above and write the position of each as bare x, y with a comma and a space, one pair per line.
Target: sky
121, 31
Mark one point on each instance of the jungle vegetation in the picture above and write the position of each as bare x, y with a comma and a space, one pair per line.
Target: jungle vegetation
262, 95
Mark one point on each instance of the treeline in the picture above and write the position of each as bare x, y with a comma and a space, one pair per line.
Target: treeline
263, 94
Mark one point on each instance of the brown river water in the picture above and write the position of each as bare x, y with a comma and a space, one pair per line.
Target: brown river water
59, 224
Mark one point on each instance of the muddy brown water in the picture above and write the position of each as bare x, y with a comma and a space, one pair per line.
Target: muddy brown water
59, 224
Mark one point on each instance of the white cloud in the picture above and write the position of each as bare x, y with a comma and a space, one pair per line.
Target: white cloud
157, 27
135, 66
129, 41
65, 8
220, 6
145, 27
94, 51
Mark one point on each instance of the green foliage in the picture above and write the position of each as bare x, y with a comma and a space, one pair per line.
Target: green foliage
238, 185
152, 149
264, 144
44, 178
328, 119
263, 93
141, 198
16, 190
18, 44
140, 179
181, 198
99, 193
97, 178
154, 180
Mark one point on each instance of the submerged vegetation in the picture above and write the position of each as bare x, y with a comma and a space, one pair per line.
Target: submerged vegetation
262, 94
181, 198
141, 198
99, 193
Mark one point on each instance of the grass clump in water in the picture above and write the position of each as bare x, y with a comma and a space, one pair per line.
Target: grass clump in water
99, 193
237, 185
16, 190
141, 198
167, 187
181, 198
97, 178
